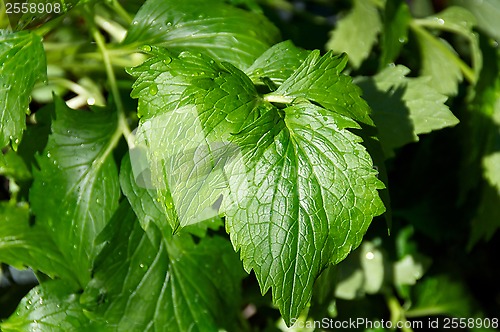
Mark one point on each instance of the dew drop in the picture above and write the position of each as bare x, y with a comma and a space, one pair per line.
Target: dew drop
153, 90
135, 22
90, 101
440, 21
167, 60
147, 48
49, 155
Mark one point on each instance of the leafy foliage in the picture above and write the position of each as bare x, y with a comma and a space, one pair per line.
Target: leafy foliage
224, 163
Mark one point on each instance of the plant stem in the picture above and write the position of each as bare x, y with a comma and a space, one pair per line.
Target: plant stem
121, 11
397, 312
273, 98
122, 119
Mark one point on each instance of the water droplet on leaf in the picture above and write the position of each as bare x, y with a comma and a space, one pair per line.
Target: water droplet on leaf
153, 89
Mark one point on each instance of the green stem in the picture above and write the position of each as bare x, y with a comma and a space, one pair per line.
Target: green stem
272, 98
397, 312
424, 312
122, 12
101, 44
70, 85
466, 70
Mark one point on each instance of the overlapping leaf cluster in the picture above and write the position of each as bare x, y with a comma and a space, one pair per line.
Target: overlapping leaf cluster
250, 155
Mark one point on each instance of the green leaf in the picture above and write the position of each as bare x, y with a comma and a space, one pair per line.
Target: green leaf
404, 107
356, 33
14, 166
186, 165
212, 27
396, 20
486, 13
487, 220
277, 63
163, 285
319, 74
22, 244
299, 190
22, 60
442, 295
307, 198
145, 202
439, 59
76, 190
52, 306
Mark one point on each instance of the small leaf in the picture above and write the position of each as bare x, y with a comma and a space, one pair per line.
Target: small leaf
22, 63
442, 295
277, 63
76, 190
356, 33
404, 107
318, 79
24, 245
486, 13
14, 166
396, 18
439, 59
212, 27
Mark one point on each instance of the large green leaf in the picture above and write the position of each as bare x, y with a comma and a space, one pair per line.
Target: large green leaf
404, 107
52, 306
310, 194
22, 63
164, 285
299, 190
212, 27
186, 164
76, 190
22, 244
356, 33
